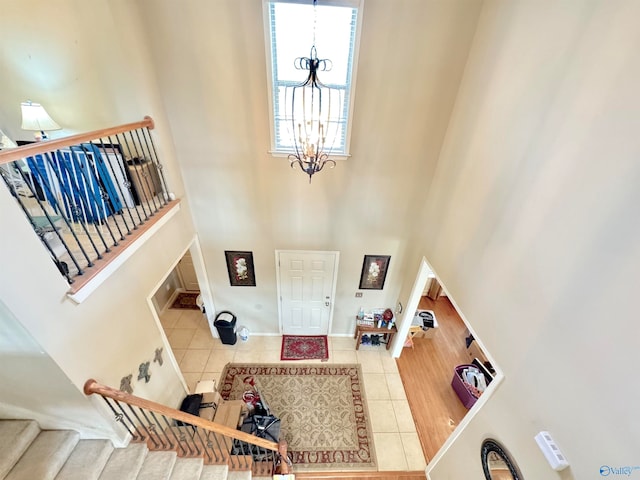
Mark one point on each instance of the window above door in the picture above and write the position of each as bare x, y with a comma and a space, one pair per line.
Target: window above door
289, 34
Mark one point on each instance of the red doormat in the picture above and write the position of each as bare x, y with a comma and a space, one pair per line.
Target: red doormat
304, 347
186, 301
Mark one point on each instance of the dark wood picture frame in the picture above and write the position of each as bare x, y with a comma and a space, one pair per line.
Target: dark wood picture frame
374, 272
240, 268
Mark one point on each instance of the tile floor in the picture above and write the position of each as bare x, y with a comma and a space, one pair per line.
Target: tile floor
202, 357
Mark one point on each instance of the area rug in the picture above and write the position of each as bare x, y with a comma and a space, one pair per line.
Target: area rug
322, 410
186, 301
304, 347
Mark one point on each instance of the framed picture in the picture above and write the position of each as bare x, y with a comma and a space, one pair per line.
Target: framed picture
240, 268
374, 272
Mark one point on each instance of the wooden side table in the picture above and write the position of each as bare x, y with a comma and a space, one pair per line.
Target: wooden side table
368, 329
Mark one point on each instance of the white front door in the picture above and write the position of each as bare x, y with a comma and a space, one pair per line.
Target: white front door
306, 285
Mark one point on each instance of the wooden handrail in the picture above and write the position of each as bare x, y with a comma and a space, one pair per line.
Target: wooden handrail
93, 387
13, 154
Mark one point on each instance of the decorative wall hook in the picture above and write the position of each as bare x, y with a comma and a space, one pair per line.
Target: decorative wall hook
158, 357
125, 384
143, 372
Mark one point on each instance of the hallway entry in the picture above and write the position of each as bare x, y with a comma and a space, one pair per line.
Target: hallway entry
306, 287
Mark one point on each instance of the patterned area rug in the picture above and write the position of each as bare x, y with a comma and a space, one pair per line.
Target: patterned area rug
322, 409
186, 300
304, 347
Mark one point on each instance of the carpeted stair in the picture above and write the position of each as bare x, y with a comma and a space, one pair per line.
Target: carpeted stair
29, 453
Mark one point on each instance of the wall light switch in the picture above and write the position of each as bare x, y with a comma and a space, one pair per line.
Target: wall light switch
551, 451
358, 294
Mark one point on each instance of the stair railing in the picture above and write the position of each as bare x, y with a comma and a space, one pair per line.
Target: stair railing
165, 428
89, 195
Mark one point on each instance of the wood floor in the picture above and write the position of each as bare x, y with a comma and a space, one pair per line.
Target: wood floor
426, 371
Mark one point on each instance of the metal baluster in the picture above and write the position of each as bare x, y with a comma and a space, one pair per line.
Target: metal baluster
13, 192
152, 426
127, 181
151, 169
154, 154
151, 437
198, 433
137, 435
122, 140
156, 181
184, 451
116, 184
141, 185
118, 416
217, 443
90, 191
161, 429
75, 188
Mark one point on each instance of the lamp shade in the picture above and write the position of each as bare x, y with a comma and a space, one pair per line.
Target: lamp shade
36, 118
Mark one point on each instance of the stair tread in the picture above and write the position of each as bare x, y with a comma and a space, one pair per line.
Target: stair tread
239, 475
187, 469
15, 438
125, 463
157, 466
215, 472
86, 461
45, 456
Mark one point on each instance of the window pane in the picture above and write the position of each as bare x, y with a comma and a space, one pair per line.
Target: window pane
292, 37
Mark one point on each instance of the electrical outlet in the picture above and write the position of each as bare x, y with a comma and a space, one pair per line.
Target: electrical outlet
358, 294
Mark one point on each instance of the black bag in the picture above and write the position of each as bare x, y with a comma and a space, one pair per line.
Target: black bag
190, 404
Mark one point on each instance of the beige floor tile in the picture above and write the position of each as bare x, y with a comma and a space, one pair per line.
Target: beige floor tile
389, 364
189, 320
249, 356
370, 361
272, 342
403, 416
179, 354
218, 359
169, 318
396, 388
389, 451
383, 419
212, 376
413, 451
191, 378
342, 343
271, 356
253, 343
375, 386
202, 339
195, 360
343, 356
181, 337
218, 345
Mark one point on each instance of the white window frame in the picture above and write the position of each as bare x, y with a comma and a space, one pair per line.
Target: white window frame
357, 4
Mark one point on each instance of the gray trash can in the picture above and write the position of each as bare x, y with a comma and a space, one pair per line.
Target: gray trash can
225, 323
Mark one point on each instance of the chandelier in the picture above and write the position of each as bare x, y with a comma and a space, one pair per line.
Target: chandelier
313, 129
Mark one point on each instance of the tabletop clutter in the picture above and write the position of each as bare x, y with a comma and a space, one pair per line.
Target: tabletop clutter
378, 318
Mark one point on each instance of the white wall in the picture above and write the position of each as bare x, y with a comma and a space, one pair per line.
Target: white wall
88, 65
411, 58
25, 363
535, 207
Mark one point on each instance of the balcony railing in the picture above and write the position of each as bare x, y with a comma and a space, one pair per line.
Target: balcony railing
88, 195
